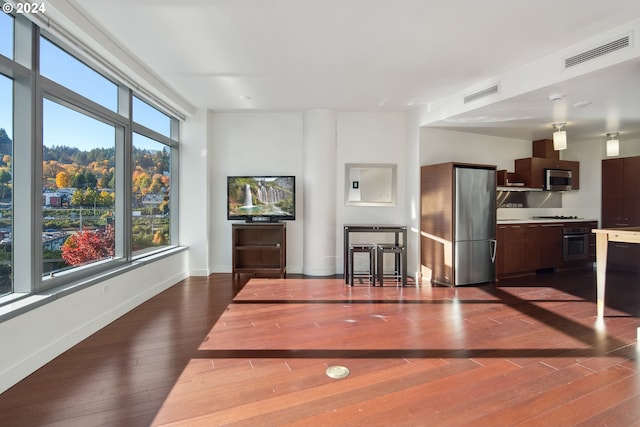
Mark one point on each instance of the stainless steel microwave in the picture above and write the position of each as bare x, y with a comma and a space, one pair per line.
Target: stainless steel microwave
557, 179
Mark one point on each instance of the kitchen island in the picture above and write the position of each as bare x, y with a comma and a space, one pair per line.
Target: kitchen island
603, 237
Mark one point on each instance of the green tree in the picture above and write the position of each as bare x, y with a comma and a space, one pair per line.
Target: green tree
106, 180
84, 179
5, 179
78, 181
6, 145
77, 198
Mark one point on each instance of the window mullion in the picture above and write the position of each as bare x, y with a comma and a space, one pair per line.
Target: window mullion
26, 241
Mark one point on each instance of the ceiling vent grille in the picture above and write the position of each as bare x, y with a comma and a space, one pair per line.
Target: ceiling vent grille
481, 94
597, 52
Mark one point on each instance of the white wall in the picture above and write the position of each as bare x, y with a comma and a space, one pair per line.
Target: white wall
253, 144
585, 202
39, 335
369, 138
194, 193
271, 143
441, 146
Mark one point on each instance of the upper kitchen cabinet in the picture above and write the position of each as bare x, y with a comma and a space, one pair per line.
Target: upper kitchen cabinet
620, 192
532, 171
544, 148
621, 207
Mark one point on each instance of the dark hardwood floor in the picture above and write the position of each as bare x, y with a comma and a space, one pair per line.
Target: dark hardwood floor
211, 352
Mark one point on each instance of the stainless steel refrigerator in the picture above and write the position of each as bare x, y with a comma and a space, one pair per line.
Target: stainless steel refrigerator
474, 225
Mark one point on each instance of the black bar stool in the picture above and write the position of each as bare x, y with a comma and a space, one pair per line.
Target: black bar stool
400, 254
369, 274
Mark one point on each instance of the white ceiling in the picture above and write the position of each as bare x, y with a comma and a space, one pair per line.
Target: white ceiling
375, 55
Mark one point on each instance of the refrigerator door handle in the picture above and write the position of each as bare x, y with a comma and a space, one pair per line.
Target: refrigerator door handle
494, 244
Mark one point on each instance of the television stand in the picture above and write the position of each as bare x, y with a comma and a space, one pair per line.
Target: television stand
259, 249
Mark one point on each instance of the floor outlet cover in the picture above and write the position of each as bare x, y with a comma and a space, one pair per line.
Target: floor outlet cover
337, 372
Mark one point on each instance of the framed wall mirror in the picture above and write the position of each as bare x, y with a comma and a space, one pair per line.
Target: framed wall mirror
370, 184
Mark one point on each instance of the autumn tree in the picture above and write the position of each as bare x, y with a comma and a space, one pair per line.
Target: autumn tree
106, 198
164, 207
77, 198
158, 238
141, 182
89, 245
63, 180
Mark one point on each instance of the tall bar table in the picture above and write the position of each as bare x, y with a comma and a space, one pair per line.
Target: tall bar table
603, 237
400, 237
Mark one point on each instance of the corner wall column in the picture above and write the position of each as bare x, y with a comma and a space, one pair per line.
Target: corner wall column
319, 161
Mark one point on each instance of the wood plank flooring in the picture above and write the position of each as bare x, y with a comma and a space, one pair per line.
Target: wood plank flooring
217, 352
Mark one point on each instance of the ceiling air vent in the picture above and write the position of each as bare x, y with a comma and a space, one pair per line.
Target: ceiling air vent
618, 44
480, 94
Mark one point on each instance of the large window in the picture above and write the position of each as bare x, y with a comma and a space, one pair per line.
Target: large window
59, 66
6, 205
78, 182
151, 185
86, 187
151, 117
6, 35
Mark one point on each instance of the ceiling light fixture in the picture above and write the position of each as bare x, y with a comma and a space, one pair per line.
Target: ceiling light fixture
613, 145
559, 136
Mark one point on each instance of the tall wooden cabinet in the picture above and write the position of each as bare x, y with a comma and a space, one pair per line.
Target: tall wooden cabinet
621, 192
259, 249
621, 206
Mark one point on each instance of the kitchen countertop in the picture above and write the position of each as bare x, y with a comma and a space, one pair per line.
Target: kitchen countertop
542, 221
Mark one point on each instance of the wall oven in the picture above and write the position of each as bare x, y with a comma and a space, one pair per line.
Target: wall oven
575, 243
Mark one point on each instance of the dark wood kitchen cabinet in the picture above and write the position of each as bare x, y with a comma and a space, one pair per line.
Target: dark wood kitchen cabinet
621, 192
531, 170
527, 247
259, 249
500, 236
550, 245
511, 250
531, 246
518, 248
621, 207
523, 248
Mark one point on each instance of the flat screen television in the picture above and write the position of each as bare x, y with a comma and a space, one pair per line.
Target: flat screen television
261, 198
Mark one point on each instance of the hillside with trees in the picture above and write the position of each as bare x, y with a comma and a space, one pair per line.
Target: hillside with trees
84, 183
